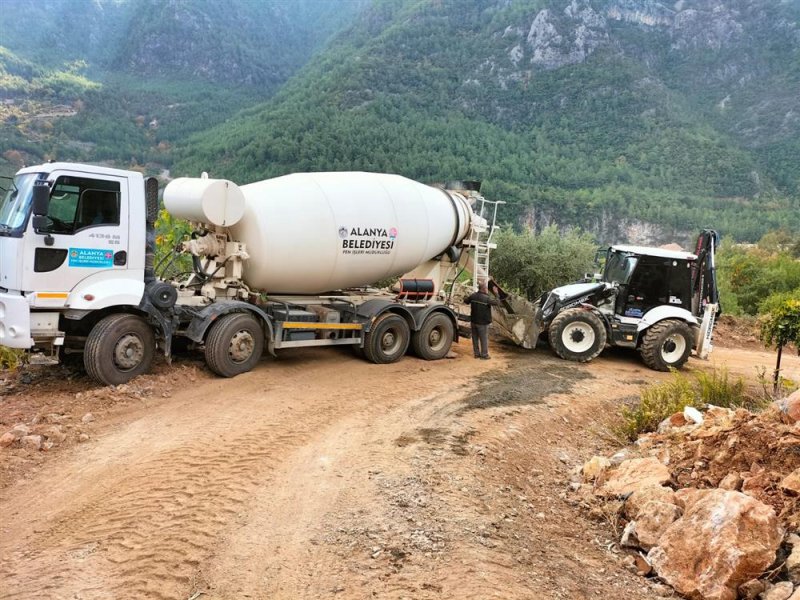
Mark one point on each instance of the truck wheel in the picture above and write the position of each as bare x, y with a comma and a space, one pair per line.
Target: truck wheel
234, 345
667, 345
118, 348
388, 339
577, 334
434, 338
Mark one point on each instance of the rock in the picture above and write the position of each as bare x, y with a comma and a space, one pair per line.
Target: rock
7, 439
780, 591
643, 568
634, 474
751, 589
731, 481
56, 435
87, 418
640, 498
692, 415
674, 421
793, 565
594, 466
664, 591
628, 538
795, 595
31, 442
619, 458
20, 430
719, 414
755, 484
720, 542
654, 519
83, 438
791, 483
789, 408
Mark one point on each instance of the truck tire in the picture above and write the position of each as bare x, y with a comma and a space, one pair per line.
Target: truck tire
234, 344
667, 345
118, 348
578, 335
388, 339
434, 338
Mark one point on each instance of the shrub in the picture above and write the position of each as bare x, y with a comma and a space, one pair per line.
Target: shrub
660, 400
11, 358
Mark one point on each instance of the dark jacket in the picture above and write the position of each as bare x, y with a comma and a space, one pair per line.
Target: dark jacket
481, 308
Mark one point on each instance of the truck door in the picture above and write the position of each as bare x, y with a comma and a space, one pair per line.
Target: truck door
86, 232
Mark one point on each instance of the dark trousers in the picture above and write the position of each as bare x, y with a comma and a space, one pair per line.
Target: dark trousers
480, 339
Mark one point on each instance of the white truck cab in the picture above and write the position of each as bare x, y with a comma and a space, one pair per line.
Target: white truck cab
86, 253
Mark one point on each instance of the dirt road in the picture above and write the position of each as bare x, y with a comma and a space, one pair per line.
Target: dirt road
321, 476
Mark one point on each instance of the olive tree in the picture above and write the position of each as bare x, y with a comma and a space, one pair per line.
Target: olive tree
531, 263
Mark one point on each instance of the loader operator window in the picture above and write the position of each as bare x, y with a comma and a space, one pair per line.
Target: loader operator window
77, 203
619, 267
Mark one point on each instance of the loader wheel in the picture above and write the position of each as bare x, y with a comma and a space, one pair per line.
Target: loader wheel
118, 348
434, 338
577, 334
388, 339
667, 345
234, 345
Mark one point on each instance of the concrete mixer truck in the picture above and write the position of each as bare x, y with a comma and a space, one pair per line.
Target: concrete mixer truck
281, 263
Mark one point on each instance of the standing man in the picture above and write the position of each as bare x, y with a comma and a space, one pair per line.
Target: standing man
480, 306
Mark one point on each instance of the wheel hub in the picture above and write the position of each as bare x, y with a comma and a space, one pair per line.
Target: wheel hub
673, 348
241, 346
128, 352
388, 340
578, 337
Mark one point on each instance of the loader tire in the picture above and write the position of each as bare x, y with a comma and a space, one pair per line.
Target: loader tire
434, 338
118, 348
388, 339
667, 345
234, 345
577, 335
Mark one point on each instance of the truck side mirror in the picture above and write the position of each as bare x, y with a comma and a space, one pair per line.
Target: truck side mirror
41, 200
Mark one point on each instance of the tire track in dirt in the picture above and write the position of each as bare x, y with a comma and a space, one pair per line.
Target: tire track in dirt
164, 509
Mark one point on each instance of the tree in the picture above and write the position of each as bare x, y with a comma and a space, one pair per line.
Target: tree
781, 326
531, 264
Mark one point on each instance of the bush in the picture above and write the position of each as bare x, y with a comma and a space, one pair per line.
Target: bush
530, 264
10, 358
660, 400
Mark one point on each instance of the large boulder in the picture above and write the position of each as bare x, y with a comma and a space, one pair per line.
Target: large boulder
789, 407
631, 475
723, 539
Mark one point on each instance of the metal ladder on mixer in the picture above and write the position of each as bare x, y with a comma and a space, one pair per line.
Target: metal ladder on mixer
481, 234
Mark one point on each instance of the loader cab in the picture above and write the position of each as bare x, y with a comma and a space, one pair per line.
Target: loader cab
647, 278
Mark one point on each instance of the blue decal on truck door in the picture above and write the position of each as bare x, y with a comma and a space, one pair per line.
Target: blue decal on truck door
90, 257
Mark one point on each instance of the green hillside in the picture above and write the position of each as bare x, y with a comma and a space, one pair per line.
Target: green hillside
611, 115
122, 81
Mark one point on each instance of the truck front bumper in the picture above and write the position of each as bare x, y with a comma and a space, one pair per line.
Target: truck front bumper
15, 321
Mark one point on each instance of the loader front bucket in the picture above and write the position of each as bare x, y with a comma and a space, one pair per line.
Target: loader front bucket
516, 319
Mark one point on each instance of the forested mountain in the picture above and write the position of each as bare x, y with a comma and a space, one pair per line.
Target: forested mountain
612, 114
122, 80
639, 120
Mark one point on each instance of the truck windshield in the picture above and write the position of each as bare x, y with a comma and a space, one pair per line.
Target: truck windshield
16, 202
619, 267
